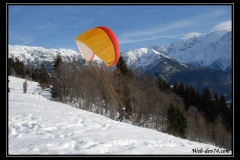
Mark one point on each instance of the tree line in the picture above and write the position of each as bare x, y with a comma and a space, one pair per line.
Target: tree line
19, 69
176, 109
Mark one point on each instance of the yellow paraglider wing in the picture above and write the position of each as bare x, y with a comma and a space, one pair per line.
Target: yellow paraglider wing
100, 41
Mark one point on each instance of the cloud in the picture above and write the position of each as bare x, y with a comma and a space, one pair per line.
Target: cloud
20, 39
45, 26
156, 32
223, 26
125, 41
190, 35
151, 33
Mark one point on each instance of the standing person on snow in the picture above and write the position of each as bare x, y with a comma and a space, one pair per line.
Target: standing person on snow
25, 87
121, 114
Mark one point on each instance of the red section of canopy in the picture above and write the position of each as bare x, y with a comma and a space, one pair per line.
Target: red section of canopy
114, 41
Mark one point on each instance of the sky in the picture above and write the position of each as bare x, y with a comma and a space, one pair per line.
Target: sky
38, 126
135, 25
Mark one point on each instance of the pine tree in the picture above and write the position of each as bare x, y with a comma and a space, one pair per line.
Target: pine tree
163, 85
229, 117
206, 103
55, 80
175, 87
35, 74
11, 65
195, 97
177, 123
44, 78
20, 68
57, 62
181, 90
187, 98
122, 73
122, 67
223, 105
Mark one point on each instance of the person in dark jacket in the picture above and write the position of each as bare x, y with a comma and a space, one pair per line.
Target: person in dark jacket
25, 87
121, 114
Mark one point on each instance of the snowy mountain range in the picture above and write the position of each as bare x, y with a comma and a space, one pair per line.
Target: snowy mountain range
35, 56
199, 60
182, 57
212, 50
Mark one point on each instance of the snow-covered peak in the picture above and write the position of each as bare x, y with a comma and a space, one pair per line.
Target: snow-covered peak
159, 48
227, 26
37, 55
140, 57
204, 50
213, 36
32, 50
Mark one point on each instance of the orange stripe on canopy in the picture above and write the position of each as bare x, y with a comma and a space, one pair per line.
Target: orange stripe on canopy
100, 41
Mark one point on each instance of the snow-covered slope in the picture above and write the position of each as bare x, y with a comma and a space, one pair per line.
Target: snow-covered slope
38, 126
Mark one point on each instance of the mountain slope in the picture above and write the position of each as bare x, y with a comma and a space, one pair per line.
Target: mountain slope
212, 50
217, 81
151, 62
40, 127
35, 56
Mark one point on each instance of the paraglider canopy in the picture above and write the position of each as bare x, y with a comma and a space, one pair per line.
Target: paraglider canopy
100, 41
